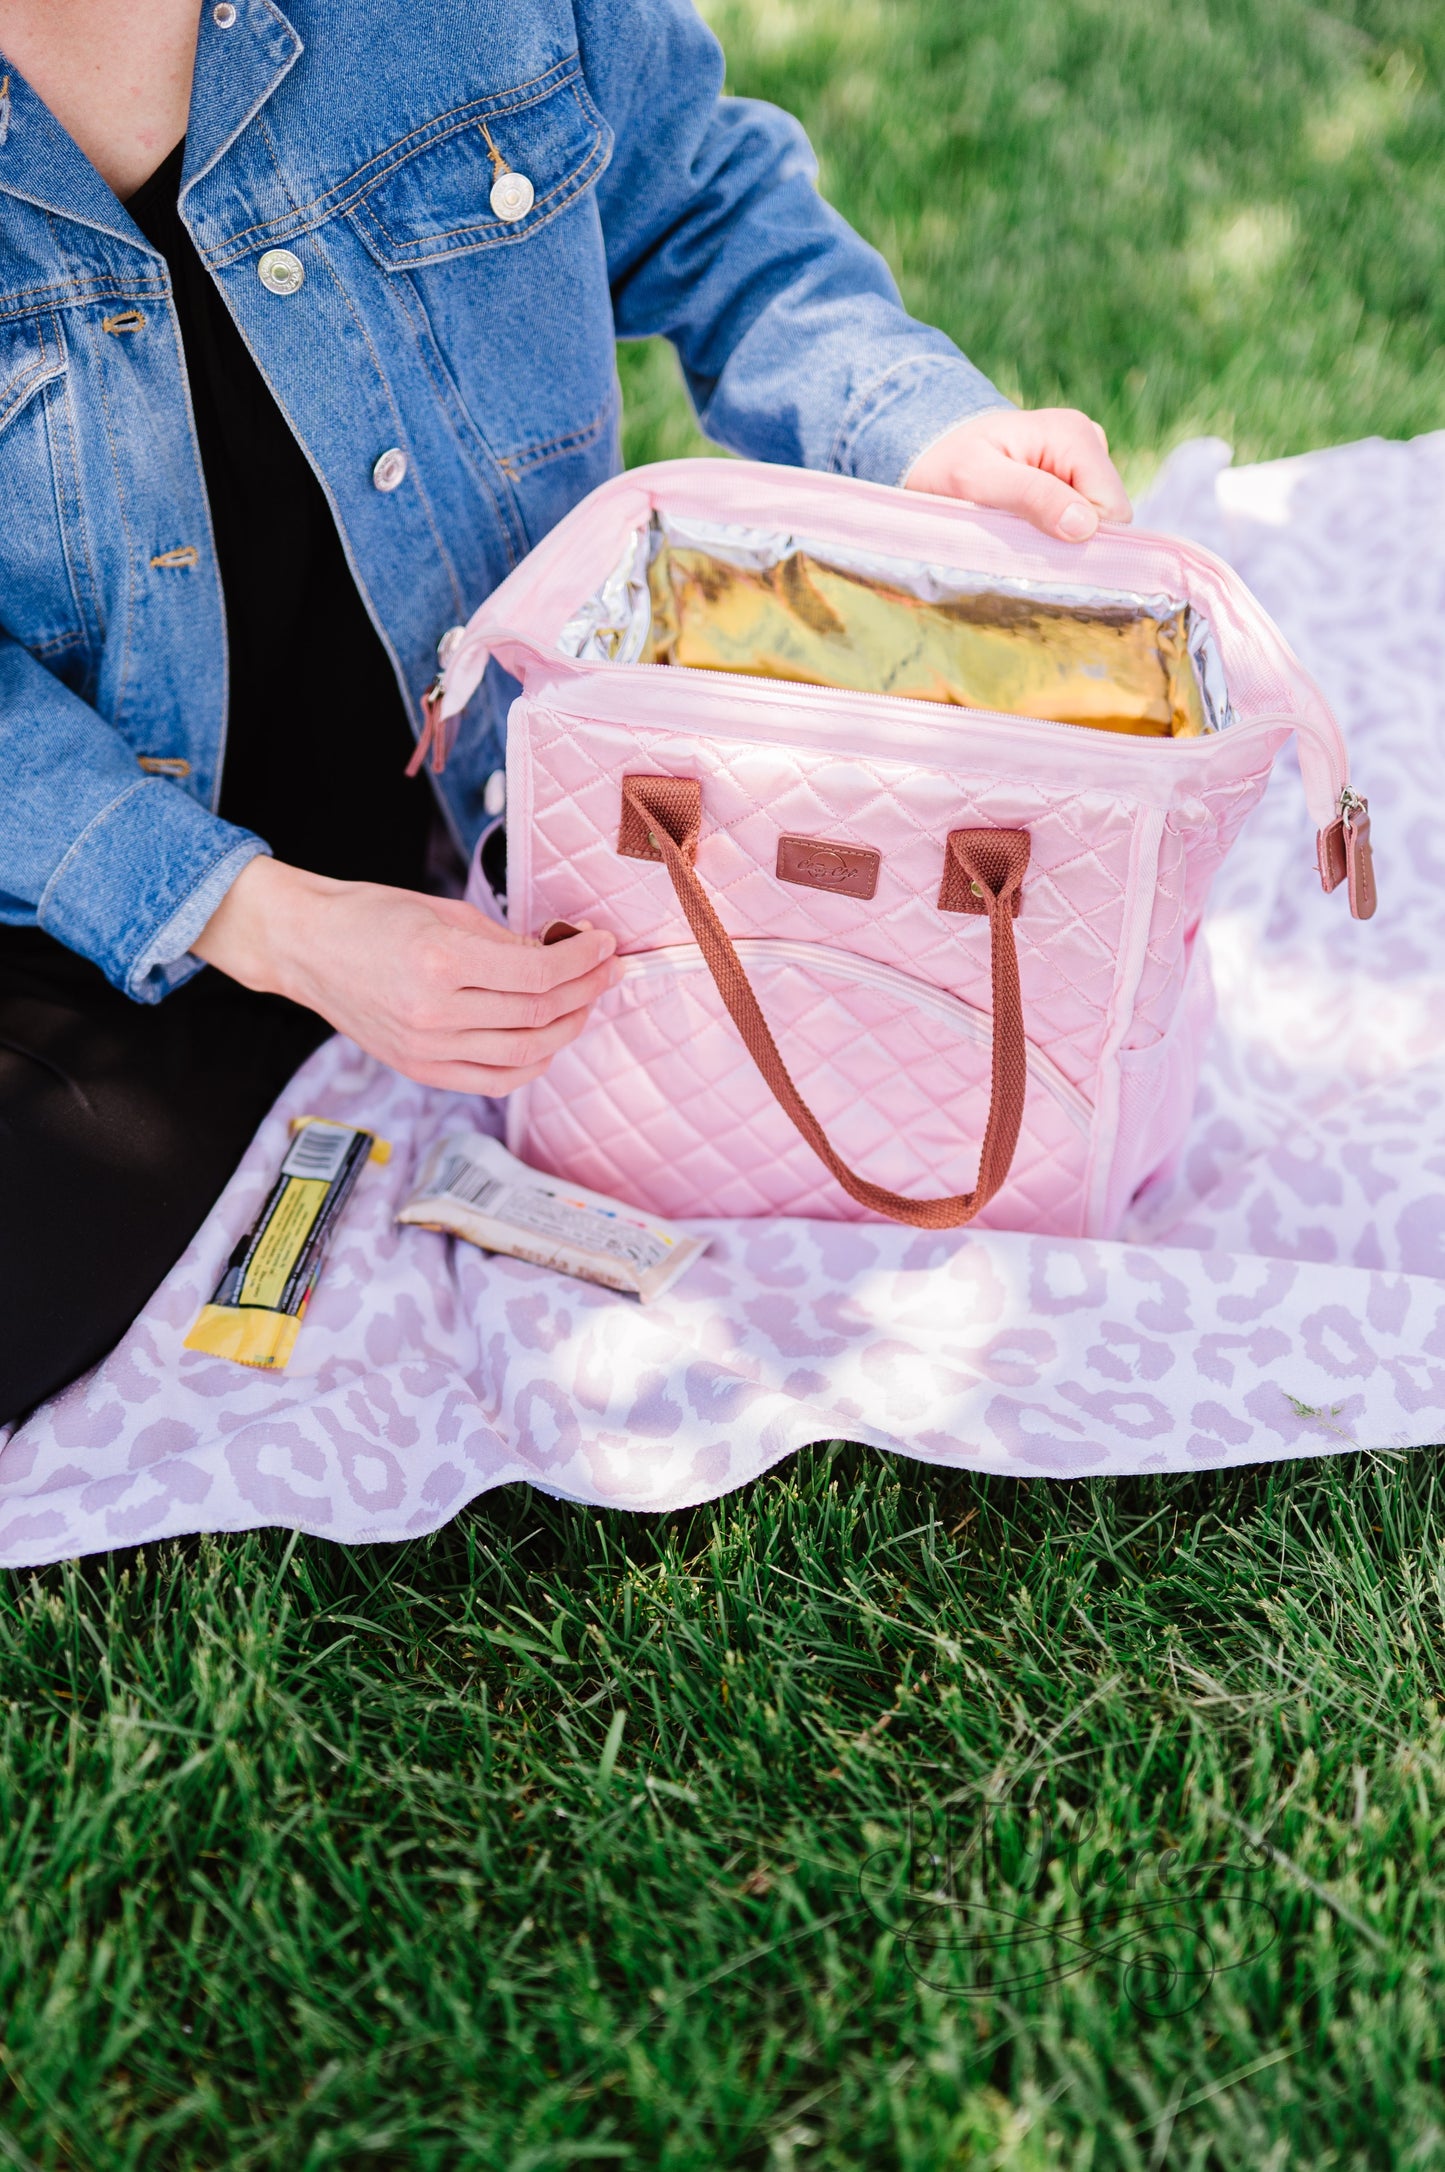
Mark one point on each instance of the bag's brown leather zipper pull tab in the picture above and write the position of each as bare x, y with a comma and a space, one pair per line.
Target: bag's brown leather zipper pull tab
435, 734
1359, 858
1330, 849
1344, 854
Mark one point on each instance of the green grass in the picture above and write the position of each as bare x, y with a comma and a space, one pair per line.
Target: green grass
564, 1840
1181, 215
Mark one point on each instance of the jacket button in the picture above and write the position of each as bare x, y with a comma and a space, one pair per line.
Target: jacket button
223, 15
280, 272
447, 646
390, 469
512, 196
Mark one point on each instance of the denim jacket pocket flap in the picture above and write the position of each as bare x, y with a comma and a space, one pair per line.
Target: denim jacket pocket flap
449, 196
28, 359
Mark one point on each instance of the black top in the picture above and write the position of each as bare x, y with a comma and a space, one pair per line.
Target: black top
318, 737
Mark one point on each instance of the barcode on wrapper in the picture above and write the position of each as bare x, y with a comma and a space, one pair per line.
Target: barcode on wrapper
547, 1213
318, 1150
459, 1178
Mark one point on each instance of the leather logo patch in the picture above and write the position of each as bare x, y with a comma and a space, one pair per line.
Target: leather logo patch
847, 870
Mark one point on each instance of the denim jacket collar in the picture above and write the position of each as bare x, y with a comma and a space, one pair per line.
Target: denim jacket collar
43, 165
236, 72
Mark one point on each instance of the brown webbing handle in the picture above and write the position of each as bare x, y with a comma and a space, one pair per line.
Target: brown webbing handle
661, 820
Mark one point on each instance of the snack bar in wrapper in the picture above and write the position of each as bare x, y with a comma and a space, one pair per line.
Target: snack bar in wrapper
256, 1313
472, 1187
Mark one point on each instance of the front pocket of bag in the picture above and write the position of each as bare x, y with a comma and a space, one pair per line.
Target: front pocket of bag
660, 1104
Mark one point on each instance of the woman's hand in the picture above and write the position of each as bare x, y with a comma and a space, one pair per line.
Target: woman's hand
1049, 465
427, 984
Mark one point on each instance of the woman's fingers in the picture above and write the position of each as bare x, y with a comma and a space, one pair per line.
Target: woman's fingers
1097, 478
475, 1078
1033, 494
515, 1011
455, 980
532, 968
1073, 447
502, 1032
425, 984
515, 1048
1050, 466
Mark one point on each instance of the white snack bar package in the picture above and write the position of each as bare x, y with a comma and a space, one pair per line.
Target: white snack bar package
471, 1187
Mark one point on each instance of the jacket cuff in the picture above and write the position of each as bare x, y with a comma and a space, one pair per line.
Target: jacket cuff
893, 422
167, 960
139, 884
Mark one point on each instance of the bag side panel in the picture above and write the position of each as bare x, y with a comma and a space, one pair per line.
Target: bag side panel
1157, 1088
1153, 1062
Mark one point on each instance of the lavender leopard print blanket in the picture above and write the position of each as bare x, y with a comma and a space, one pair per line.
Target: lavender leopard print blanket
1283, 1294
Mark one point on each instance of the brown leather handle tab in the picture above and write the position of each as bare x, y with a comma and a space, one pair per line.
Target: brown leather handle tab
651, 805
968, 886
661, 819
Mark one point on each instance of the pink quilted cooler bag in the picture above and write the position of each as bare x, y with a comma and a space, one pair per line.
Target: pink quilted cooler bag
883, 957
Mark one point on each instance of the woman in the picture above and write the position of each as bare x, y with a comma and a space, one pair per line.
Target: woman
307, 336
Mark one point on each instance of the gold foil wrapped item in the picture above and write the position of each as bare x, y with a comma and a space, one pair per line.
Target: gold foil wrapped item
1115, 667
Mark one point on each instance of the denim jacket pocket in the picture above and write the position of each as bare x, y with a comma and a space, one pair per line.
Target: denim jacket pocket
436, 201
28, 360
40, 604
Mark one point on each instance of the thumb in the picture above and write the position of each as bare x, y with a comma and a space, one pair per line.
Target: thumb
1011, 486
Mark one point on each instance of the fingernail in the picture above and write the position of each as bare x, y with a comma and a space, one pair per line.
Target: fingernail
615, 978
1076, 522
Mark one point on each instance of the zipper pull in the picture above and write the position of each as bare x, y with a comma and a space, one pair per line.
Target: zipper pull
437, 733
434, 733
1359, 858
1345, 854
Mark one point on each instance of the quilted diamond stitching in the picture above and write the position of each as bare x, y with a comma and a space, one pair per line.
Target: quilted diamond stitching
1068, 932
903, 1096
601, 1095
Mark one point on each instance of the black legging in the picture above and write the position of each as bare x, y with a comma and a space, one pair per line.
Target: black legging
119, 1125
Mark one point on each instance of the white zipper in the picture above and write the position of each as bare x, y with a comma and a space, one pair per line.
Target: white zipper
975, 1026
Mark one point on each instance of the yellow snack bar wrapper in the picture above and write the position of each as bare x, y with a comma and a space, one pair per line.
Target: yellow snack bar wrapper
472, 1187
259, 1303
1110, 665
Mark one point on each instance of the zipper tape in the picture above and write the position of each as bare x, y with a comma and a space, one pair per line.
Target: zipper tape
971, 1023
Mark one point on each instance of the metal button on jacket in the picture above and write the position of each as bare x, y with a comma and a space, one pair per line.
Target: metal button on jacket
447, 646
512, 196
224, 15
390, 469
280, 272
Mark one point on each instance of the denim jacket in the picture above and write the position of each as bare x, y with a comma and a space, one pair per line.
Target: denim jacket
365, 140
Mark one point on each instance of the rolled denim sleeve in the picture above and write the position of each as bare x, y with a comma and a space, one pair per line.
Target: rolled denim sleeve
794, 340
122, 866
